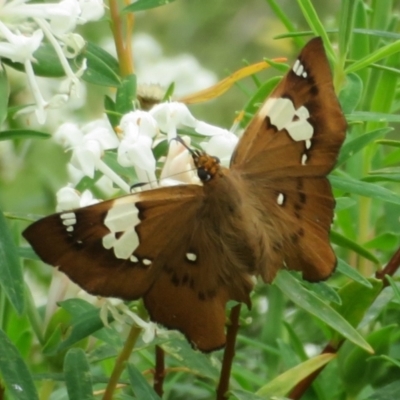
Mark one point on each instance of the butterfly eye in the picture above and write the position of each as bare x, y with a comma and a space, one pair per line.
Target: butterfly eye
203, 174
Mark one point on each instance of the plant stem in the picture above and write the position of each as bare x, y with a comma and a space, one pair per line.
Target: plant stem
229, 353
124, 56
159, 372
120, 362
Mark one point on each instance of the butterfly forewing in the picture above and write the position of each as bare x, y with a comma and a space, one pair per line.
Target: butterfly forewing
286, 151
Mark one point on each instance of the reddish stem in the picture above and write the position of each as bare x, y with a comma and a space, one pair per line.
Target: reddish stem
229, 353
159, 373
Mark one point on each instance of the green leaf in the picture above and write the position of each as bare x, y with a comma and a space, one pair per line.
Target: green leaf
11, 278
102, 68
353, 146
77, 375
395, 288
357, 299
84, 323
14, 372
47, 63
352, 273
316, 25
347, 243
289, 379
369, 116
141, 5
385, 241
126, 95
342, 203
111, 112
139, 385
350, 185
5, 93
351, 93
324, 291
23, 134
354, 377
257, 99
245, 395
388, 392
382, 52
392, 143
315, 306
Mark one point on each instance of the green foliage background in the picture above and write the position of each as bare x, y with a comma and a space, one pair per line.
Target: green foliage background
353, 312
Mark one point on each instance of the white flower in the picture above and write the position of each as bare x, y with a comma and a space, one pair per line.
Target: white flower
178, 166
88, 144
221, 144
23, 26
171, 115
138, 130
68, 199
122, 314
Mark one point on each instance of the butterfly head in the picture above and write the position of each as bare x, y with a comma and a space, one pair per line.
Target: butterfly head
207, 166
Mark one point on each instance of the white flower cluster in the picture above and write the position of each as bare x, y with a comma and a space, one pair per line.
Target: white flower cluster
24, 26
140, 132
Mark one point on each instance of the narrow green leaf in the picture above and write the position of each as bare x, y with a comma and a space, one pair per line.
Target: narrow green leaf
15, 374
366, 189
245, 395
286, 21
315, 306
11, 278
382, 52
387, 392
385, 241
342, 203
102, 68
353, 146
392, 143
347, 243
257, 99
77, 374
356, 378
139, 385
346, 25
5, 93
352, 273
47, 63
351, 93
316, 25
111, 112
126, 95
324, 291
23, 134
141, 5
289, 379
85, 324
395, 288
357, 299
367, 116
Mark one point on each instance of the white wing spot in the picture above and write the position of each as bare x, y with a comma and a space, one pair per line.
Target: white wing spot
299, 70
70, 228
146, 261
308, 144
68, 215
304, 159
191, 256
68, 219
133, 258
280, 199
122, 217
283, 115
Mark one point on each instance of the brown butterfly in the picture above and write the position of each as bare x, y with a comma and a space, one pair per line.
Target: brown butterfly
189, 249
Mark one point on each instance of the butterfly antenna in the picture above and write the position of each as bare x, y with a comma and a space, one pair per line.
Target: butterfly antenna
182, 142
